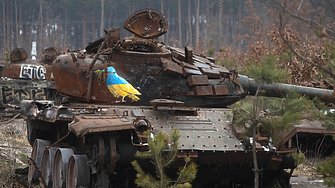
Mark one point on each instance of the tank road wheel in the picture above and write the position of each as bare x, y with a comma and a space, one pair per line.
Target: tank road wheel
36, 155
47, 163
78, 172
60, 167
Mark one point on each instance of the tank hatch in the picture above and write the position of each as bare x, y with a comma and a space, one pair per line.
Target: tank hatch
18, 54
147, 23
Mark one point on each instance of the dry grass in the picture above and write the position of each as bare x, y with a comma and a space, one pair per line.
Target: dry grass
306, 169
14, 150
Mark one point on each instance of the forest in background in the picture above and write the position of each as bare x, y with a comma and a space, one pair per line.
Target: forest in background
229, 30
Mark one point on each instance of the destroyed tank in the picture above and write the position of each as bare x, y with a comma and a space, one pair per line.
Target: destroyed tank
24, 78
115, 89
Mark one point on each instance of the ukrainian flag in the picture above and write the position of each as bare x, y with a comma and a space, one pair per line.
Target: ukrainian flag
119, 87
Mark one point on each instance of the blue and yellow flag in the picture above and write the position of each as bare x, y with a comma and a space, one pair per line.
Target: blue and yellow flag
119, 87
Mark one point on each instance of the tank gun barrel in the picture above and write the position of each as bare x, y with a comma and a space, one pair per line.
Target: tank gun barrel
278, 89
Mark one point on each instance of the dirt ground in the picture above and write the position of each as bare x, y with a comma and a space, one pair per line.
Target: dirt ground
304, 176
15, 150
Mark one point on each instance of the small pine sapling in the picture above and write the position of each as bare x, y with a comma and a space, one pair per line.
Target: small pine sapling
274, 115
162, 152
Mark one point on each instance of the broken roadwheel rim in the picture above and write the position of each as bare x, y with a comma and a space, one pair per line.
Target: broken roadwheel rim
78, 172
47, 163
36, 155
60, 167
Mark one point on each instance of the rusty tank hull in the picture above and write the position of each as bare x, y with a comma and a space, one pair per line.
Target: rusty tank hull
108, 136
116, 88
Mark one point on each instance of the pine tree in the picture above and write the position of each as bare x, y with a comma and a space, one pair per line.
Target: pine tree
274, 115
162, 152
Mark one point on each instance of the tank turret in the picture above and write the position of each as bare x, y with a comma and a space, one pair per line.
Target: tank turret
151, 70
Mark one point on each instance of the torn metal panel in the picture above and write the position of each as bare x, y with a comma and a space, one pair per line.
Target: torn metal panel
45, 110
83, 125
305, 127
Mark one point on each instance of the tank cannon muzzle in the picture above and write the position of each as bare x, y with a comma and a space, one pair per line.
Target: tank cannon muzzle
278, 89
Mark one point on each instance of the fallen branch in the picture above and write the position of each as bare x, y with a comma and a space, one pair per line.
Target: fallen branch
6, 122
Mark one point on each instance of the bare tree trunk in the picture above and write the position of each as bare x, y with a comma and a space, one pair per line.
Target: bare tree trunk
254, 130
115, 17
239, 22
180, 38
197, 22
48, 25
40, 30
162, 10
21, 43
168, 19
102, 17
16, 27
220, 17
31, 26
4, 24
110, 17
65, 28
190, 24
84, 27
254, 156
9, 27
93, 26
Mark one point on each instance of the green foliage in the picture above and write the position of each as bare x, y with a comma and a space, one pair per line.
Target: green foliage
161, 158
328, 120
323, 113
210, 51
99, 71
329, 53
266, 71
275, 114
298, 158
327, 169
